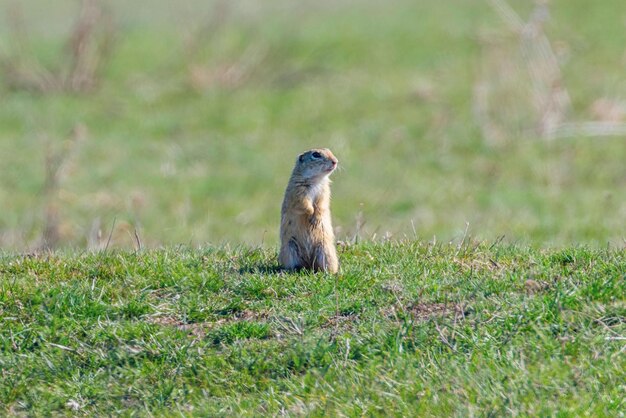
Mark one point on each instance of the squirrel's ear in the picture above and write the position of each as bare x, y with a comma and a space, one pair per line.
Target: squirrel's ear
301, 157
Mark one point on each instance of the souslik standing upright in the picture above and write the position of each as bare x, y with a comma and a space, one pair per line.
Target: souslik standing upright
307, 239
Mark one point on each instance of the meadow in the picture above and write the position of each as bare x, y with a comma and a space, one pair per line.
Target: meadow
195, 121
407, 329
480, 208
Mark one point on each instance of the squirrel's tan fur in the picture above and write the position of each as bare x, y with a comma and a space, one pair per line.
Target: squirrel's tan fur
306, 232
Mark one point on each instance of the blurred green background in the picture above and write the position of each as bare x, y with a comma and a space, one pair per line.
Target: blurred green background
188, 129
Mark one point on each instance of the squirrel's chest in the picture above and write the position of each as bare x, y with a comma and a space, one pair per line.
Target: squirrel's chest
314, 192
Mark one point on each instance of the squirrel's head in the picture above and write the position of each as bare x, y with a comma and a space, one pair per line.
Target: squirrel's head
316, 163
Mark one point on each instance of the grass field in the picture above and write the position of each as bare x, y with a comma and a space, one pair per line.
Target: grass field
407, 328
483, 267
180, 152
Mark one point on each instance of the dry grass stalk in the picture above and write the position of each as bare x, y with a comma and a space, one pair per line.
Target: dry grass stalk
57, 164
195, 40
21, 70
94, 238
229, 74
549, 103
87, 50
89, 46
570, 129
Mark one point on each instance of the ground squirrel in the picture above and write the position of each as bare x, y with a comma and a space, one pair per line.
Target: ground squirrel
307, 239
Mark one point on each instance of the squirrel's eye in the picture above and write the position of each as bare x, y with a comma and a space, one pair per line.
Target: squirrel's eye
316, 155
